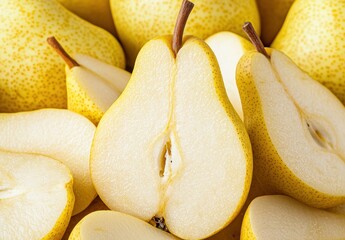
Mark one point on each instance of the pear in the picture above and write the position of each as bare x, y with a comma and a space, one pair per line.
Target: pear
96, 12
312, 36
56, 133
296, 129
36, 196
172, 148
338, 209
229, 48
139, 21
280, 217
93, 86
116, 225
32, 77
272, 17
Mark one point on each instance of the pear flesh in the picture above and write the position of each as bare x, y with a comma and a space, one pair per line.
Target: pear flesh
116, 225
56, 133
280, 217
296, 127
36, 197
187, 157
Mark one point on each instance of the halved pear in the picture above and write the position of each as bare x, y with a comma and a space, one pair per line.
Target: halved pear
229, 48
279, 217
116, 225
172, 147
56, 133
296, 127
36, 197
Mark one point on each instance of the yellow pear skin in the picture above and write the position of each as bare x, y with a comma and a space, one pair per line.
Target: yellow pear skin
312, 36
139, 21
32, 76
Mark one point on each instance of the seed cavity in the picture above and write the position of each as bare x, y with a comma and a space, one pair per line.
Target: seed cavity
164, 157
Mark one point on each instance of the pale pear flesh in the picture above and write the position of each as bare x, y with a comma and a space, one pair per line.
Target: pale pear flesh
36, 197
116, 225
56, 133
304, 156
279, 217
229, 48
187, 155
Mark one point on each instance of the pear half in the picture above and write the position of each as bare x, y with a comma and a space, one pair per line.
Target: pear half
93, 86
172, 147
296, 127
59, 134
116, 225
280, 217
36, 197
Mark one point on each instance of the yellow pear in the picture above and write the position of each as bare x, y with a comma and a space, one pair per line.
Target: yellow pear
31, 76
172, 148
272, 17
96, 12
279, 217
313, 37
139, 21
296, 127
36, 196
56, 133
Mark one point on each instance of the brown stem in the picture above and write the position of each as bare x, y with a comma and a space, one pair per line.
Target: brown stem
61, 51
254, 38
181, 21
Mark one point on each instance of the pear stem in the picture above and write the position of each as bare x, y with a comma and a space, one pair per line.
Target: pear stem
61, 51
181, 21
254, 38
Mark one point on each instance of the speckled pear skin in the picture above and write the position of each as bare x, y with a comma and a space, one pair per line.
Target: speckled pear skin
313, 37
32, 75
139, 21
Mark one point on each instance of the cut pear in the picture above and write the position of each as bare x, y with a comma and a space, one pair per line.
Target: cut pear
296, 127
36, 197
116, 225
172, 147
59, 134
229, 48
280, 217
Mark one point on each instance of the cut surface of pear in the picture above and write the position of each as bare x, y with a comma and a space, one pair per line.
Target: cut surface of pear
279, 217
172, 146
36, 197
59, 134
116, 225
93, 86
229, 48
296, 128
32, 77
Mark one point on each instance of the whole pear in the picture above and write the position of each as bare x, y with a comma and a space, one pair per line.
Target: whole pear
139, 21
31, 75
313, 37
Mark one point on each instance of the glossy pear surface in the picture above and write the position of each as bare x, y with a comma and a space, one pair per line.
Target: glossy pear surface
139, 21
296, 129
171, 141
312, 36
32, 76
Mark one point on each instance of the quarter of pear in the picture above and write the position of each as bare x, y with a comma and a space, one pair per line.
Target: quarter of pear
93, 86
296, 127
36, 197
56, 133
272, 17
279, 217
229, 48
139, 21
96, 12
172, 147
32, 77
116, 225
313, 37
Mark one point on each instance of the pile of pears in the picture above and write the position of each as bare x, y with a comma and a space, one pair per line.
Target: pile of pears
177, 119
